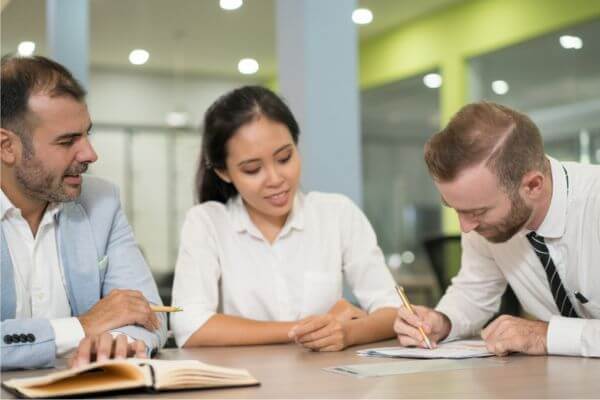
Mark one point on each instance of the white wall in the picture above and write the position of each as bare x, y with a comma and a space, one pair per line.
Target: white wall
153, 164
137, 98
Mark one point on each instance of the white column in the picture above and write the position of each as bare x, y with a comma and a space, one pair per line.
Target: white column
67, 31
317, 50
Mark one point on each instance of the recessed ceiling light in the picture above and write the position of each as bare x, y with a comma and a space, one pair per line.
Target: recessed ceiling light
500, 87
362, 16
25, 49
408, 257
230, 4
248, 66
571, 42
177, 119
138, 56
432, 81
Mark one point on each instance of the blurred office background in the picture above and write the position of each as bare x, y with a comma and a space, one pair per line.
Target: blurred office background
417, 63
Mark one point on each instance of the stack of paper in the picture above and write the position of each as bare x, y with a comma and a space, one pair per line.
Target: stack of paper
458, 349
412, 367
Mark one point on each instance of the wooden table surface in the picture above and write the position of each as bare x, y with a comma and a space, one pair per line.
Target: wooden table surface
286, 371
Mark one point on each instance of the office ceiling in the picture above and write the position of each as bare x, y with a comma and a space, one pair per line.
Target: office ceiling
188, 36
558, 88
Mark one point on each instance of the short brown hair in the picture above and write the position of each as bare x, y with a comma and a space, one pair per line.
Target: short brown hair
507, 141
21, 77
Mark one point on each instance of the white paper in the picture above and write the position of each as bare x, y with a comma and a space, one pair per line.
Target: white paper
455, 350
412, 367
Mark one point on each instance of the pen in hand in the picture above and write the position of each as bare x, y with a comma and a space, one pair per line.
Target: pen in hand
406, 303
165, 309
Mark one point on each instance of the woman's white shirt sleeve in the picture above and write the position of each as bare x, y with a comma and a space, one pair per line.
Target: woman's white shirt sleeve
197, 274
363, 261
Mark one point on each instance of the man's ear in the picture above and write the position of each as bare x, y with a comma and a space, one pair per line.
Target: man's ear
532, 185
223, 175
10, 146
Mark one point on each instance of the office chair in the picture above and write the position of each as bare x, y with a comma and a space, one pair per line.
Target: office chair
444, 253
164, 282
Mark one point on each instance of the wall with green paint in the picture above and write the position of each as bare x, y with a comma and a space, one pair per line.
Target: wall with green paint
465, 30
449, 37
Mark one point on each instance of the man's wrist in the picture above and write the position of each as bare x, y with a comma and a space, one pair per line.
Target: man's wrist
446, 326
543, 337
87, 327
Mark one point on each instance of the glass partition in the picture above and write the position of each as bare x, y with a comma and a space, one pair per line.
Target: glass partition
556, 80
400, 199
155, 170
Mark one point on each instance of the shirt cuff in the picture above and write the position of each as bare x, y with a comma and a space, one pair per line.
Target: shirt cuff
184, 326
68, 332
460, 326
564, 336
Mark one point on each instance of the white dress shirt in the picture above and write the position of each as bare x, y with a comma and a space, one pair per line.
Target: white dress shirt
39, 280
572, 232
225, 265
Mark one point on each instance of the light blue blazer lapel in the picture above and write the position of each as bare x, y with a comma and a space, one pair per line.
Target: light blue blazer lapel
9, 297
79, 257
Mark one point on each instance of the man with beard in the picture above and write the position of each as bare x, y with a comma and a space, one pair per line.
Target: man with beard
72, 274
527, 220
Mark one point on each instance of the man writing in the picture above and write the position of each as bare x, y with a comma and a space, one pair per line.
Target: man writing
527, 220
72, 274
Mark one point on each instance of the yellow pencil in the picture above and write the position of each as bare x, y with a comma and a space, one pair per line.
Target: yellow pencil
165, 309
400, 291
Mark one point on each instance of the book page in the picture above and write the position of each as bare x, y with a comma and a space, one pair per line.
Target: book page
95, 377
193, 373
131, 373
456, 350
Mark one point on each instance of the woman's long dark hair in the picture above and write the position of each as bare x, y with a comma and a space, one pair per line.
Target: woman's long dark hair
221, 121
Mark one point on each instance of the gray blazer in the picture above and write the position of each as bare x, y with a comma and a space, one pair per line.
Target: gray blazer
98, 253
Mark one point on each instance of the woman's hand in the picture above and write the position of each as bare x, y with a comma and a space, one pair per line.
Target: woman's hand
321, 333
346, 311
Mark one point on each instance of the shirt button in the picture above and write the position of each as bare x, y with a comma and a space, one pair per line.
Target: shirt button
16, 338
8, 339
30, 337
23, 338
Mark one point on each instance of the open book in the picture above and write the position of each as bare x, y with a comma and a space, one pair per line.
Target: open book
458, 349
129, 374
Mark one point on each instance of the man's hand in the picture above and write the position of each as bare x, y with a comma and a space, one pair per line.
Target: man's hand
104, 347
435, 325
321, 333
118, 309
345, 311
511, 334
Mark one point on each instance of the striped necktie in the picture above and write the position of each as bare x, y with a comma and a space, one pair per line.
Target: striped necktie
556, 287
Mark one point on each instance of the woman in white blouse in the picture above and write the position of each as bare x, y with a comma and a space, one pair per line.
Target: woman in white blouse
260, 262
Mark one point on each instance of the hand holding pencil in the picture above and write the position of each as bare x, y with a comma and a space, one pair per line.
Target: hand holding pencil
167, 309
420, 326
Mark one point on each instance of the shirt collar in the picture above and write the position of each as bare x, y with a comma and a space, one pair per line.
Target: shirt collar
242, 221
5, 205
554, 224
8, 207
296, 218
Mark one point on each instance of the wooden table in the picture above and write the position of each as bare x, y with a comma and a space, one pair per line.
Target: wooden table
287, 371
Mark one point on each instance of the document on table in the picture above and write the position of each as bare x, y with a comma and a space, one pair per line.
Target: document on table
456, 350
412, 367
